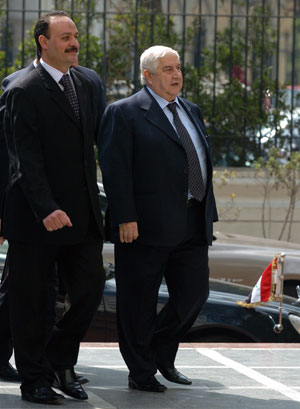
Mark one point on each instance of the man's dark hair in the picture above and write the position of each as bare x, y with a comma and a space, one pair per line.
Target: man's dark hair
42, 28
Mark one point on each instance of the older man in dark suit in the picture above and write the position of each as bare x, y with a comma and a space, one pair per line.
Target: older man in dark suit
157, 172
7, 372
51, 212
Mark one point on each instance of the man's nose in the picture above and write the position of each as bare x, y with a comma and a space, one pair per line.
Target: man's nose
176, 73
74, 42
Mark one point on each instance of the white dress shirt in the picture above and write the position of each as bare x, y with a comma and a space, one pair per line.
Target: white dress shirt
56, 74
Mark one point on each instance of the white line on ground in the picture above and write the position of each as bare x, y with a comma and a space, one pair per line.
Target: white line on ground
6, 386
98, 403
250, 373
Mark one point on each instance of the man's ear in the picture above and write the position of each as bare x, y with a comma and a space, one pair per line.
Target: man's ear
43, 40
148, 76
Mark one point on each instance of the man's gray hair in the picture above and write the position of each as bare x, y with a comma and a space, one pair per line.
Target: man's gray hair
150, 59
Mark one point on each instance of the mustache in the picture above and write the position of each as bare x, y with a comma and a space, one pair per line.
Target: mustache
70, 50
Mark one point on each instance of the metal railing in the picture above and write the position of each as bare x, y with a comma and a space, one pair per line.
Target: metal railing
239, 56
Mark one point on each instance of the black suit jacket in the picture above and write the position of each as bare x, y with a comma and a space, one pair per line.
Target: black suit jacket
52, 159
144, 168
7, 83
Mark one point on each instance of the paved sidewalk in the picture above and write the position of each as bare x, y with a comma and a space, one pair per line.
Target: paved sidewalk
235, 376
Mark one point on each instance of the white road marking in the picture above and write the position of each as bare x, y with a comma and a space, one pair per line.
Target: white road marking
97, 402
6, 386
251, 373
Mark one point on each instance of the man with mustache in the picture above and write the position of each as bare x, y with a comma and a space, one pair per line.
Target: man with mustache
7, 372
51, 212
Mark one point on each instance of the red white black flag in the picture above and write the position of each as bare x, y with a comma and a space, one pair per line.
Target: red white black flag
269, 286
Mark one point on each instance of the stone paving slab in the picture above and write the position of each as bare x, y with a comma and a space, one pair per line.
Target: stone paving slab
235, 376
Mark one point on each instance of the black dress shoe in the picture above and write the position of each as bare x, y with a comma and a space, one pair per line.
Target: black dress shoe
80, 379
172, 375
9, 373
150, 385
42, 394
67, 382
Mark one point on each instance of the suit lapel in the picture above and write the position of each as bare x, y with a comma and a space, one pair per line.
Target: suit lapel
57, 94
155, 115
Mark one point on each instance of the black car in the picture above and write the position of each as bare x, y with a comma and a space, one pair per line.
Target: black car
221, 319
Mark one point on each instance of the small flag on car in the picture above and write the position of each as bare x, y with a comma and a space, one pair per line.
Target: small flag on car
269, 287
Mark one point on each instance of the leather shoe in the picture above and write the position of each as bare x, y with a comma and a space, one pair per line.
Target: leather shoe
150, 385
68, 384
172, 375
80, 379
9, 373
42, 394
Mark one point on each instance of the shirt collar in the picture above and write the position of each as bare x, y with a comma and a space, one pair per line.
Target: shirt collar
162, 102
55, 73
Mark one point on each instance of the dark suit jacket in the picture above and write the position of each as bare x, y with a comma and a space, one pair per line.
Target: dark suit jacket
52, 159
11, 78
144, 168
7, 83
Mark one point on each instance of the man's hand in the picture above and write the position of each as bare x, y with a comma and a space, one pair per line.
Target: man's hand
57, 220
2, 239
128, 232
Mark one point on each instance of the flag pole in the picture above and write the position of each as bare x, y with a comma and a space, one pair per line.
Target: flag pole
279, 290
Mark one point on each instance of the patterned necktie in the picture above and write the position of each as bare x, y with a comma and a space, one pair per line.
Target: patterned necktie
69, 92
196, 184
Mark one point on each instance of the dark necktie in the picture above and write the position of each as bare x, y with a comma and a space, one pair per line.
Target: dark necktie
196, 184
69, 92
